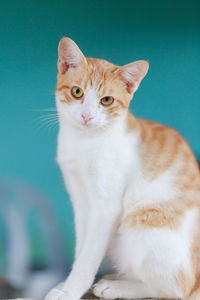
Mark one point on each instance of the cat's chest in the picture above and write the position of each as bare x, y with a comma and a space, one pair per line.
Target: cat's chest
76, 153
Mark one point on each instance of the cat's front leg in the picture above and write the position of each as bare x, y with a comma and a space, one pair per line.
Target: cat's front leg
81, 219
102, 223
79, 199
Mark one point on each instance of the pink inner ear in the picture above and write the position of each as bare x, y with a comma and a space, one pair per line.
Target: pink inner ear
130, 87
64, 67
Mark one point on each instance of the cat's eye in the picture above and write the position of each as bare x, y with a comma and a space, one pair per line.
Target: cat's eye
107, 100
77, 92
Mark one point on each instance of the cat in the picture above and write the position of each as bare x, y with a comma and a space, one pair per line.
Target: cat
134, 186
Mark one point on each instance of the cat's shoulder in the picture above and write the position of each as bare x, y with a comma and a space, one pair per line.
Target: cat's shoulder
157, 127
153, 129
152, 132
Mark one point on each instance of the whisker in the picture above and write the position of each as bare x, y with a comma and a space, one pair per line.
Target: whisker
42, 119
51, 125
47, 120
45, 127
46, 123
47, 115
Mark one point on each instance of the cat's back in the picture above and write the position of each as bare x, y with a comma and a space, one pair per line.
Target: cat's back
164, 148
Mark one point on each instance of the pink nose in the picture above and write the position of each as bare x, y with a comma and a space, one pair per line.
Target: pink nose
86, 118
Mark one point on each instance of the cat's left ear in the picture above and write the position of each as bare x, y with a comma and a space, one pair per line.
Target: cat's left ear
69, 55
133, 73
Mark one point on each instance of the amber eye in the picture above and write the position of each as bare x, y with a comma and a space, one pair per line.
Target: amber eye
77, 92
107, 100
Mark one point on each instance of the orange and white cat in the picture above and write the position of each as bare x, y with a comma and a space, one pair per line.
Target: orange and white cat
134, 186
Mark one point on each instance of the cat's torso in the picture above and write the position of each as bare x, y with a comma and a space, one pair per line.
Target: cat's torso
118, 157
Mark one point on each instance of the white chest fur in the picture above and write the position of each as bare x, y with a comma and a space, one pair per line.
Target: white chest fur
104, 159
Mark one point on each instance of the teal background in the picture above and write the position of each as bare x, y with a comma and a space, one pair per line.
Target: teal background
167, 33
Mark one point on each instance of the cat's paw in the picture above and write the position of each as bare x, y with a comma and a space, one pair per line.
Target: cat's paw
58, 294
106, 289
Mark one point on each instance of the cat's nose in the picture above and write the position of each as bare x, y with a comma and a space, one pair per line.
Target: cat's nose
86, 117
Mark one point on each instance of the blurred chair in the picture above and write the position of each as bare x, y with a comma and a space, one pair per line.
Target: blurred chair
31, 255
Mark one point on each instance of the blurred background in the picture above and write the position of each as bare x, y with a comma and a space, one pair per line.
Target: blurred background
36, 219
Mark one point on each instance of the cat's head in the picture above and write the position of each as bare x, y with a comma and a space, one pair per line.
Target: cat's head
93, 93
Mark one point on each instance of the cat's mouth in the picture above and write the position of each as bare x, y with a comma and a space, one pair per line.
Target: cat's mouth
87, 125
90, 126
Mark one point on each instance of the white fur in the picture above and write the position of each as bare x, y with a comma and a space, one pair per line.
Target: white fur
154, 256
102, 172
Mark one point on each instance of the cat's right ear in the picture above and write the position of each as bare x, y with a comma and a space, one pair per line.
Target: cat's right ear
69, 55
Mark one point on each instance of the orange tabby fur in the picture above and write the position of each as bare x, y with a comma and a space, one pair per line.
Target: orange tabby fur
163, 147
